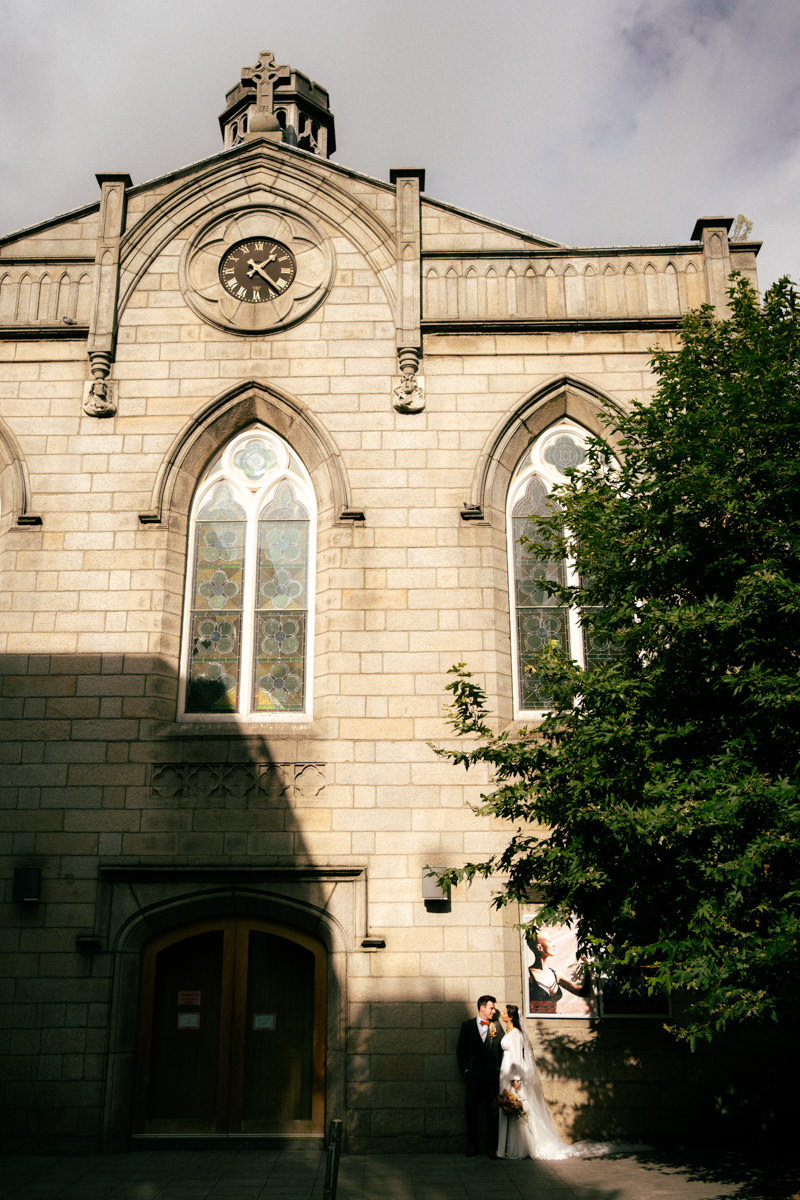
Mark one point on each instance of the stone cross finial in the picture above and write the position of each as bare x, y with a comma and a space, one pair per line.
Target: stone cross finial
265, 74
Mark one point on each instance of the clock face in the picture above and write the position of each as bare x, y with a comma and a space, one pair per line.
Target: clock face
257, 269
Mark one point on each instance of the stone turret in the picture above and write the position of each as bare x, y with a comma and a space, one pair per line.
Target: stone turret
280, 104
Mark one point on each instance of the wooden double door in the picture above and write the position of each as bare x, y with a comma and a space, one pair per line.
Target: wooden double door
232, 1032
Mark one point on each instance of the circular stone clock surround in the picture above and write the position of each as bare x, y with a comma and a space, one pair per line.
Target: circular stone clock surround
275, 287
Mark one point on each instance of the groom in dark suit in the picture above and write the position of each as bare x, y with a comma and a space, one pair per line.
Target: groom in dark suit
479, 1055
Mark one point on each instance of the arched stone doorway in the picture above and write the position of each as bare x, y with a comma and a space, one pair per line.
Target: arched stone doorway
232, 1021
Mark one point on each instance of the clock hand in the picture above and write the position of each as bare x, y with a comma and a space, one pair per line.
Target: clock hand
254, 266
264, 263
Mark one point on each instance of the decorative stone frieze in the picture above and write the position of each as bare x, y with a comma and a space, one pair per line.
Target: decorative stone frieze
549, 288
238, 785
46, 295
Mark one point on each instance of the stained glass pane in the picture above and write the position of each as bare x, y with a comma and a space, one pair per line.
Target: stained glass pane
596, 648
536, 628
213, 684
534, 501
283, 505
221, 506
281, 604
282, 555
219, 566
215, 641
255, 460
239, 573
540, 617
565, 452
280, 662
529, 571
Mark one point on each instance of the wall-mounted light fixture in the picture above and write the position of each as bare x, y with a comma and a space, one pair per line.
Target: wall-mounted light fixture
431, 888
27, 885
435, 897
87, 943
373, 943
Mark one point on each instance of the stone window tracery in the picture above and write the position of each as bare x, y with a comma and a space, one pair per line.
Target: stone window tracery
248, 611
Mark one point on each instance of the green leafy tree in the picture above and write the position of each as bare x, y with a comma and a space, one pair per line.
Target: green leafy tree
657, 804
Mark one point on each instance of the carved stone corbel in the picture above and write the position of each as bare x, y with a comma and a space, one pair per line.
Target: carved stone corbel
409, 395
99, 397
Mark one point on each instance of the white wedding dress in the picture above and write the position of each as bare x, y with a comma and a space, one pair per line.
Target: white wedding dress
534, 1135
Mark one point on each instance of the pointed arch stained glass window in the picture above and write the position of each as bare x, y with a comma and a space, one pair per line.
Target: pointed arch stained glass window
247, 626
538, 619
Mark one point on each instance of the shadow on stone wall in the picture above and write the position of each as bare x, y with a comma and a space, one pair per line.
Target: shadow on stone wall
137, 824
632, 1081
614, 1081
625, 1082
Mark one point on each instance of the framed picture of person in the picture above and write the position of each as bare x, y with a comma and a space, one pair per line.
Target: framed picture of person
555, 982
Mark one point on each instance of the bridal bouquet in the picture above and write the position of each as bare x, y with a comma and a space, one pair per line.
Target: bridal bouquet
510, 1103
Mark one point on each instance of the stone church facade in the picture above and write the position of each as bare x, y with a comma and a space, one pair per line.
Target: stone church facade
266, 427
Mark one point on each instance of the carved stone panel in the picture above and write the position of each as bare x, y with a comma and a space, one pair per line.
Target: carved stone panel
238, 785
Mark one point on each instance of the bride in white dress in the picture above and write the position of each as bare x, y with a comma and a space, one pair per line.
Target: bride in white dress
534, 1135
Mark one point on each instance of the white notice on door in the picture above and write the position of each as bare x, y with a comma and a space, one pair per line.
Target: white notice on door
263, 1020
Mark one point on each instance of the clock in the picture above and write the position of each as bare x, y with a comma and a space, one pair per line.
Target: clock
257, 269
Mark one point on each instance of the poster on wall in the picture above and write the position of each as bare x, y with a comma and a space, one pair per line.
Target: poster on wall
555, 982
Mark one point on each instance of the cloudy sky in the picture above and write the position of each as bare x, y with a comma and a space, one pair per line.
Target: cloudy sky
591, 122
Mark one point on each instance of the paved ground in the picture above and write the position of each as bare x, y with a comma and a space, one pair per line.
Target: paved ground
300, 1175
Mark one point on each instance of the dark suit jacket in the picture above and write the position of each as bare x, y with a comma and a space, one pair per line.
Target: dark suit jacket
476, 1057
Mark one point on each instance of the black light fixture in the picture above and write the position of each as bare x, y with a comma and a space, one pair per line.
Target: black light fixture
27, 885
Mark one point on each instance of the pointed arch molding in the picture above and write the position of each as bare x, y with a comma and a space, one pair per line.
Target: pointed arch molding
564, 397
250, 403
252, 176
15, 489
